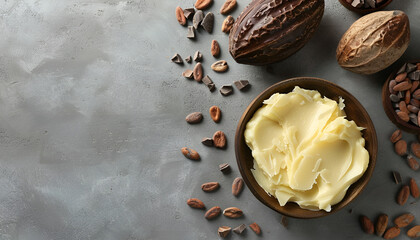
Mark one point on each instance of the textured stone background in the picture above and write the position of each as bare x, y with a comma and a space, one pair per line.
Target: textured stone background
92, 119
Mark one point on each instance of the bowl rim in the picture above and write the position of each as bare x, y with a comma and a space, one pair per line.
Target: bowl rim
364, 10
309, 214
387, 105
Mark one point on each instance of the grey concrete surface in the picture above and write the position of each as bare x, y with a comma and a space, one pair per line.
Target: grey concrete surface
92, 121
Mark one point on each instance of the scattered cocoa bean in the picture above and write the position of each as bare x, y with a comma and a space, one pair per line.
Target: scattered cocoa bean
195, 117
224, 231
366, 224
210, 186
195, 203
414, 188
203, 4
256, 228
404, 220
412, 163
392, 232
219, 139
228, 24
215, 113
414, 232
220, 66
403, 195
233, 212
228, 6
381, 224
179, 13
198, 72
190, 153
237, 186
401, 147
213, 213
415, 149
396, 135
215, 48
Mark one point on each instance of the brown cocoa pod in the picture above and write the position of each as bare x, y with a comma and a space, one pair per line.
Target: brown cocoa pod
366, 224
374, 42
392, 232
190, 153
265, 33
414, 232
237, 186
219, 139
215, 48
381, 224
415, 149
228, 7
403, 195
414, 188
215, 113
396, 135
203, 4
210, 186
233, 212
404, 220
179, 13
400, 147
195, 203
228, 24
213, 213
223, 231
256, 228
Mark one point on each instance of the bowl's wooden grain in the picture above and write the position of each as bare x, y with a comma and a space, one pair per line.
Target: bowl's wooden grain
364, 10
354, 110
389, 110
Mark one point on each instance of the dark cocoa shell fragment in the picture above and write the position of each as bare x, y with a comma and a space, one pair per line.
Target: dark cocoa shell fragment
268, 31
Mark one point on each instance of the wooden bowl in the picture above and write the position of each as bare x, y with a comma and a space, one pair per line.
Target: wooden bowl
364, 10
354, 110
389, 110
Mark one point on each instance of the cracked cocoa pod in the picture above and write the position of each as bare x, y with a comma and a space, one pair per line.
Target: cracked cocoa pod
374, 42
268, 31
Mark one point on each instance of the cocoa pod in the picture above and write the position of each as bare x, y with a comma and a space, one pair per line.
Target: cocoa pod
265, 32
374, 42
